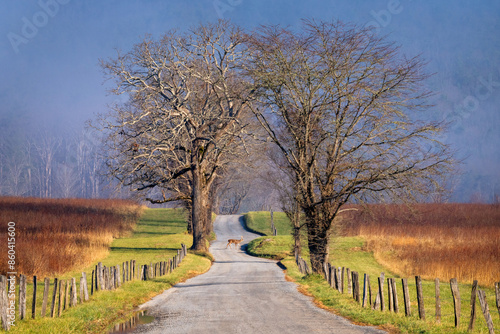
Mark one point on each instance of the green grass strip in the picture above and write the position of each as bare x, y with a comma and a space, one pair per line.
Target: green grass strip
157, 236
350, 252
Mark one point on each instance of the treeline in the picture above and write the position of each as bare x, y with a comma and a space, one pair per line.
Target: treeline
51, 165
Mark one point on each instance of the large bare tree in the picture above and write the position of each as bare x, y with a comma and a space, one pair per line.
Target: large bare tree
182, 121
344, 107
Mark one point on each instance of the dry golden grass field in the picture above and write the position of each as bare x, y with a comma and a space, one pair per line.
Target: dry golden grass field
432, 240
53, 236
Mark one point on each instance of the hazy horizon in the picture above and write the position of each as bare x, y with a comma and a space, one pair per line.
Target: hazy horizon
50, 50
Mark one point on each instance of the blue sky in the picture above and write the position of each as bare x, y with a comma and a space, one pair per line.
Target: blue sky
49, 52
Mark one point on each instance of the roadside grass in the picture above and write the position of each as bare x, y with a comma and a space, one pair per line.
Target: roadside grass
276, 248
157, 236
260, 222
351, 252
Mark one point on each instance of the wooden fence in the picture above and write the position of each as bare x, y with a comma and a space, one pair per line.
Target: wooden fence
337, 277
64, 292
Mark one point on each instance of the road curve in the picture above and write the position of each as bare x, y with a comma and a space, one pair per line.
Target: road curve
240, 294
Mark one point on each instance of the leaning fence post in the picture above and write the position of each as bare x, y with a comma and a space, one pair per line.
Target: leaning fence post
376, 303
61, 296
381, 292
473, 306
456, 300
326, 272
365, 290
486, 311
53, 304
4, 302
420, 298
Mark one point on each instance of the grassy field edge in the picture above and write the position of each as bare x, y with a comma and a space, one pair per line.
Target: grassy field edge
350, 252
156, 237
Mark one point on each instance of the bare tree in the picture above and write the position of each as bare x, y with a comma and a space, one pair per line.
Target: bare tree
183, 118
343, 107
283, 178
46, 146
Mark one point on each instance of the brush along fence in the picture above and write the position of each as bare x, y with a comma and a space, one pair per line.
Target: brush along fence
387, 296
64, 293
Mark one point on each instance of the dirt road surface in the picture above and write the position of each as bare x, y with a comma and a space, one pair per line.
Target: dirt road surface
240, 294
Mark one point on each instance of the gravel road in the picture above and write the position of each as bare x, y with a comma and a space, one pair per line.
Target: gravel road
240, 294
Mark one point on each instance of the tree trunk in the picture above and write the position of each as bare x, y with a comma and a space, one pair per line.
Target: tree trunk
296, 231
318, 243
199, 210
208, 211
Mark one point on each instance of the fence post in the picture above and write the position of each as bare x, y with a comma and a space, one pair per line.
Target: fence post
406, 297
497, 293
53, 304
85, 287
118, 281
473, 306
349, 281
22, 297
376, 303
99, 278
326, 271
112, 276
355, 285
67, 294
33, 303
420, 298
366, 284
486, 311
45, 295
74, 296
341, 279
395, 295
92, 284
62, 284
333, 277
105, 278
456, 300
4, 302
81, 289
389, 295
381, 292
438, 300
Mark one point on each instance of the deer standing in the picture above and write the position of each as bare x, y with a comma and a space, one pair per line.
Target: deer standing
236, 242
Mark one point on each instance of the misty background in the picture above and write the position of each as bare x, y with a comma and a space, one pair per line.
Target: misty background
51, 83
